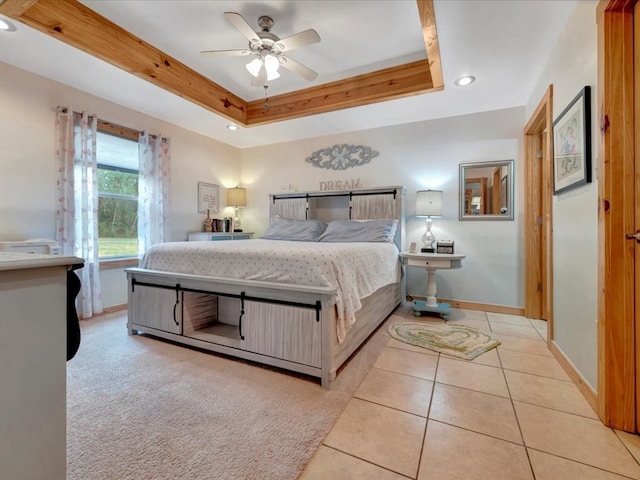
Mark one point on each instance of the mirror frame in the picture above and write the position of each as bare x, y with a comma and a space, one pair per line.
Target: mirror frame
510, 190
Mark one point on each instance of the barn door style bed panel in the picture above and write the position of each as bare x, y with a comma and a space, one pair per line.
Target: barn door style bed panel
304, 297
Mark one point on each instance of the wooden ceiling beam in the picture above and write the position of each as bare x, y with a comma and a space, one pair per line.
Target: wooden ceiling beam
71, 22
388, 84
15, 8
428, 21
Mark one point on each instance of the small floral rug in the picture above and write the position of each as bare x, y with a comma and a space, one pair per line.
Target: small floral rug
456, 340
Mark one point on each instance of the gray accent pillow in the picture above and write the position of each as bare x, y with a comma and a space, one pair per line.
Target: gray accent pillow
360, 231
298, 230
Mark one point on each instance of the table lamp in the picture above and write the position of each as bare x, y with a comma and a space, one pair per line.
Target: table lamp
236, 197
429, 204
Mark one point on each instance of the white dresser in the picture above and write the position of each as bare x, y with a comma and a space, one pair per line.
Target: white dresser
33, 353
50, 247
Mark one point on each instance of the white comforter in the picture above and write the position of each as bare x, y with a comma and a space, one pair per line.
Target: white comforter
355, 269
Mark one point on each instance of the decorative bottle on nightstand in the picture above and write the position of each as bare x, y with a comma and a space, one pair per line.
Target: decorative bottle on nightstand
207, 223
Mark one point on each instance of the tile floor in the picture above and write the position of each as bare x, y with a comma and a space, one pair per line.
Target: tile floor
511, 414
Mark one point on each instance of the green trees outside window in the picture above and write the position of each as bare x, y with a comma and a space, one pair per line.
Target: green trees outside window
117, 196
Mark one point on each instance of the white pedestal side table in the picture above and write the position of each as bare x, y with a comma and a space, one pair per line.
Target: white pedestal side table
432, 262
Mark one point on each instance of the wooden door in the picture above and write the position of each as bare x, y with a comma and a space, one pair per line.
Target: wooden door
538, 216
618, 336
483, 195
496, 199
477, 191
635, 214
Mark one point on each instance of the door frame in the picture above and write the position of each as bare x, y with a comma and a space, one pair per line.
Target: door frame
538, 225
636, 93
617, 360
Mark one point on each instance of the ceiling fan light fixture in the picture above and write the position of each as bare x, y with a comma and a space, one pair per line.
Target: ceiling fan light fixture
254, 67
267, 49
272, 75
272, 64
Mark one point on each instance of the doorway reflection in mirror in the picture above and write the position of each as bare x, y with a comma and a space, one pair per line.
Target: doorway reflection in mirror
486, 190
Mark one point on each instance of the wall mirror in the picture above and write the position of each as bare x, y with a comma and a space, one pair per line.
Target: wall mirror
486, 190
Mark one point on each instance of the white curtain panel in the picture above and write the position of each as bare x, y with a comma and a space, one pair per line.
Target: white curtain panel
289, 208
77, 201
153, 190
368, 207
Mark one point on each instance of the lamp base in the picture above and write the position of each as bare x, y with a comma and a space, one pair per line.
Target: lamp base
236, 221
428, 239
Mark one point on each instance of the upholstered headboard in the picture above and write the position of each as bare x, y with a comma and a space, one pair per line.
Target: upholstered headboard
360, 204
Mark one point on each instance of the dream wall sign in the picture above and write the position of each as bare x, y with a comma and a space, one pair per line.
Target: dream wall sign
347, 184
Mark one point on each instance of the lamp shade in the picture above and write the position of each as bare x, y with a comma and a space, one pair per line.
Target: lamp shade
237, 197
429, 203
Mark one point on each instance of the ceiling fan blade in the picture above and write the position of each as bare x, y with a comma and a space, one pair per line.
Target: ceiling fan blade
298, 40
242, 26
298, 68
225, 53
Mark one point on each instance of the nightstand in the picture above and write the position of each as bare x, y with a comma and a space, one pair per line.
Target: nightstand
432, 262
216, 236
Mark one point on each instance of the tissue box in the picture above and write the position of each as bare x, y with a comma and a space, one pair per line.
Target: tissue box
444, 246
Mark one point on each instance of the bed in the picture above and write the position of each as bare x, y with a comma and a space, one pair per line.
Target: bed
284, 300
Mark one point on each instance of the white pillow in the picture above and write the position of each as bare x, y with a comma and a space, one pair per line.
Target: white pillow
360, 231
298, 230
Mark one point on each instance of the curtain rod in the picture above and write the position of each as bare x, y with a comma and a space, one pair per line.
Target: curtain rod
346, 193
131, 131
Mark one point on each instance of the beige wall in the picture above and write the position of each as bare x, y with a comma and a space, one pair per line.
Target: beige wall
27, 167
575, 213
417, 156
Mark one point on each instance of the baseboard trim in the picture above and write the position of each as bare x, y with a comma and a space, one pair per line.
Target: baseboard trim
107, 311
114, 308
480, 306
590, 395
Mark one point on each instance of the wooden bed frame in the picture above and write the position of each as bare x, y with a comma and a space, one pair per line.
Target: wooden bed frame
287, 326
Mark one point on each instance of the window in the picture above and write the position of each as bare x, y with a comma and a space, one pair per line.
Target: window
117, 195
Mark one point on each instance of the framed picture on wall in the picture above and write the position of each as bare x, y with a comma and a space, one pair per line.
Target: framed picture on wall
208, 197
572, 144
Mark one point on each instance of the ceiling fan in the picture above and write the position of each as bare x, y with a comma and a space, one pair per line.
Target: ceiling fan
268, 49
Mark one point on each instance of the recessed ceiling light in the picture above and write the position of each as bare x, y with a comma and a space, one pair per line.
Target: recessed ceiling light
465, 80
232, 127
5, 26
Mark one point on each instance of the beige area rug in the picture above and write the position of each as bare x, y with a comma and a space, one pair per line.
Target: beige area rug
141, 408
455, 340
